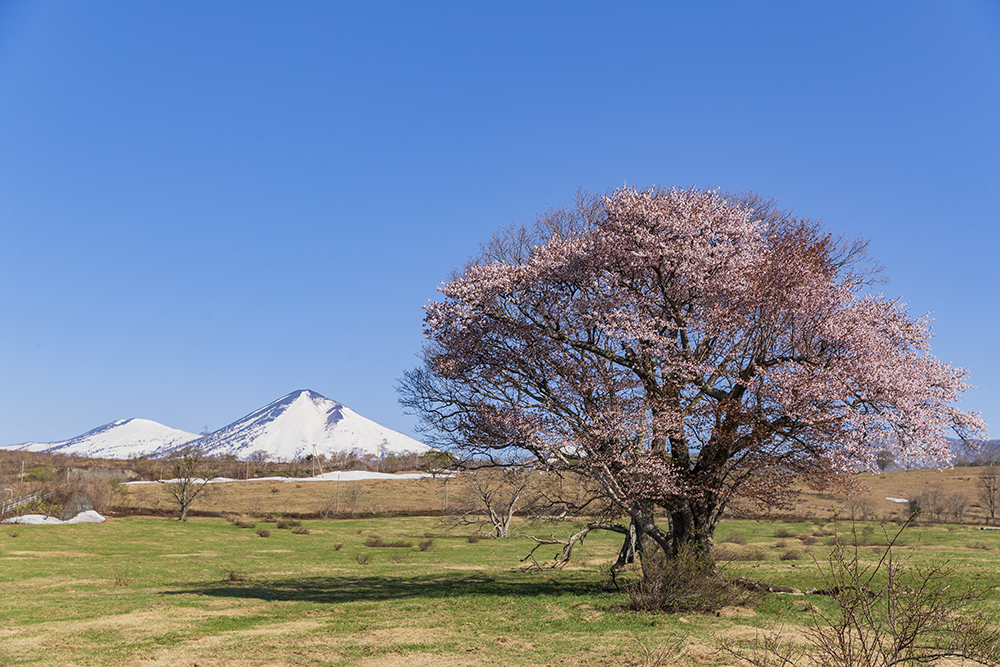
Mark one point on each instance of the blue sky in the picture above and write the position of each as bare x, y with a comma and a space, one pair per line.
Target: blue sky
207, 205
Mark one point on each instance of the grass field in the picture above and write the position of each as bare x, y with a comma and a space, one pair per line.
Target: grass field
434, 495
152, 591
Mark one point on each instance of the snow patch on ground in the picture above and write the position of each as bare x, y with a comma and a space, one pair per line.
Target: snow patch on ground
90, 516
897, 500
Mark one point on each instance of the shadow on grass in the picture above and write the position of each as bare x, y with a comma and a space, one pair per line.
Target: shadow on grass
376, 588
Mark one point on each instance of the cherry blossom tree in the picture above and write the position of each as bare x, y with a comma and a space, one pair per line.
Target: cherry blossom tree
683, 349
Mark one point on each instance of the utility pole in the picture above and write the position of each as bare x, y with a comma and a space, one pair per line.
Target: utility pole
338, 494
22, 471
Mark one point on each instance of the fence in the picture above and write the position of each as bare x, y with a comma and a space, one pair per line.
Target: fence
14, 503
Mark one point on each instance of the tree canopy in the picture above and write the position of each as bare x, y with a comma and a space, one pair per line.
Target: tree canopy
682, 348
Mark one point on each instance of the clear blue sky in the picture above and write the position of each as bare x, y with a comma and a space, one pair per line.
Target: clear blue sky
206, 205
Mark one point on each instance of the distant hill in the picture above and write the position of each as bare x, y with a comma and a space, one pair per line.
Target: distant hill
294, 426
122, 439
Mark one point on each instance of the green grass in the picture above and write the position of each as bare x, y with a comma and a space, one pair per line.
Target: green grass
208, 590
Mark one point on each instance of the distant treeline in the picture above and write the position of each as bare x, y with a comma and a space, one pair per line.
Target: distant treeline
42, 466
988, 454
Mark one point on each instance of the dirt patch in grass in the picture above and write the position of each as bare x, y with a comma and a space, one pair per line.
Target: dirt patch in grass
396, 635
424, 660
53, 554
196, 554
749, 633
737, 612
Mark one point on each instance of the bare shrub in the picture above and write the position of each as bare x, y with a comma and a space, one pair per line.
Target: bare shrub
362, 558
686, 582
791, 554
289, 523
425, 545
887, 614
375, 541
783, 532
780, 544
300, 531
235, 576
337, 546
263, 532
734, 538
473, 539
120, 577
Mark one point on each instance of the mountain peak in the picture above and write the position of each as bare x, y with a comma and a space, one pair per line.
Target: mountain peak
305, 422
296, 425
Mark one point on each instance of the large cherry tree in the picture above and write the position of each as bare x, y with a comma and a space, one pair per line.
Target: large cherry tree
681, 348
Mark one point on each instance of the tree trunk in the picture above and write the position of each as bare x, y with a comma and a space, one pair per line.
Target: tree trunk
629, 550
693, 525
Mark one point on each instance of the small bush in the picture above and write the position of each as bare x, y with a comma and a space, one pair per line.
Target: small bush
398, 558
337, 546
425, 545
808, 540
263, 532
377, 542
120, 577
14, 534
473, 539
235, 575
791, 554
783, 532
780, 544
362, 558
984, 547
734, 538
289, 523
244, 524
685, 583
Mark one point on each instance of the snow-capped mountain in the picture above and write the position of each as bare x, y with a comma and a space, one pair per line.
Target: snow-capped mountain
294, 426
120, 439
304, 423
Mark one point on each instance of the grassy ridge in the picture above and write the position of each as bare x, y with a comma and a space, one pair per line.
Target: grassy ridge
146, 590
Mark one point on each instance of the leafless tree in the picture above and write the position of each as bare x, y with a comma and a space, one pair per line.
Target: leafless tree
495, 494
885, 459
352, 495
860, 509
934, 503
988, 486
957, 503
191, 472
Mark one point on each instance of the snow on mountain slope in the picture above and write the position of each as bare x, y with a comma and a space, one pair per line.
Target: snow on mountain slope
120, 439
290, 427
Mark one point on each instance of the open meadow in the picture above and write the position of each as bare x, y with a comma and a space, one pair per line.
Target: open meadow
153, 591
938, 491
